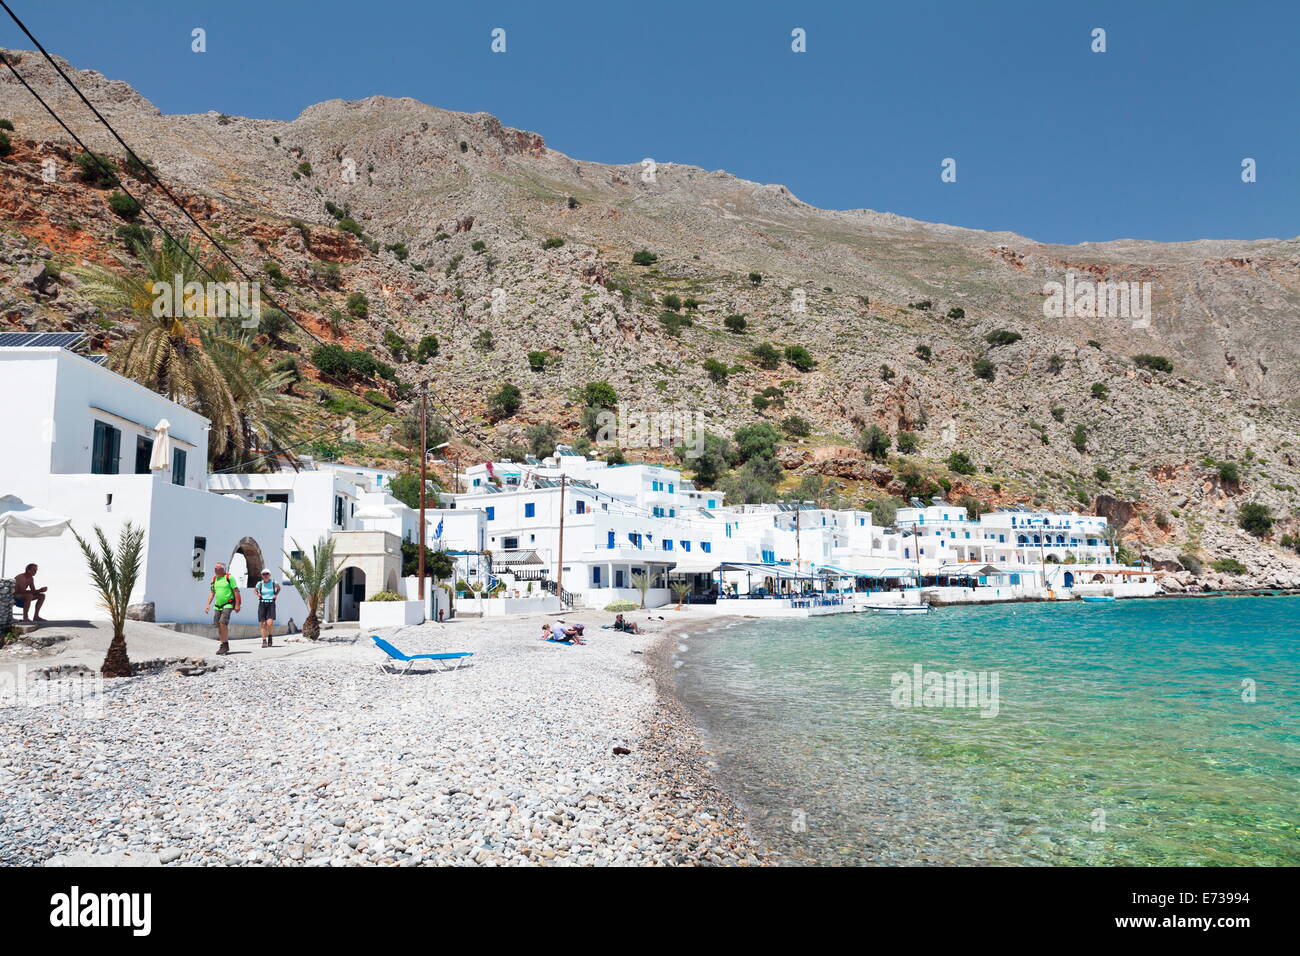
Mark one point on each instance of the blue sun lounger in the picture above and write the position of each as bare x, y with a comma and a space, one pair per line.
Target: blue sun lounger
394, 655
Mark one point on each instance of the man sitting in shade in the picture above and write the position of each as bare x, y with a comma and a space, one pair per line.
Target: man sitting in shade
26, 593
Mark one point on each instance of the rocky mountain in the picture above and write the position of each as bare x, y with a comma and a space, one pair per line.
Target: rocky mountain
455, 226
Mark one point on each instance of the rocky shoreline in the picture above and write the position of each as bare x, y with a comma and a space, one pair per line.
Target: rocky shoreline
311, 756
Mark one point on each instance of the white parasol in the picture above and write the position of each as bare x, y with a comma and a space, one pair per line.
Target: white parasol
161, 458
23, 521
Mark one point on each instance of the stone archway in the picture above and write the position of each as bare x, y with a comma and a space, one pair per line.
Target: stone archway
251, 552
351, 592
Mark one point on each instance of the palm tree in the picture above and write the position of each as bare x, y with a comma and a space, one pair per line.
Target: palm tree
1114, 537
264, 417
114, 574
642, 583
162, 354
682, 589
314, 577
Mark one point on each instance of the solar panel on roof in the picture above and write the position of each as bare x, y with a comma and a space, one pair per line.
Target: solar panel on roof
30, 340
62, 340
98, 359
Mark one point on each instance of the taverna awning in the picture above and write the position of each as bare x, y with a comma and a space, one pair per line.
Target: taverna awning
779, 571
968, 570
832, 571
695, 565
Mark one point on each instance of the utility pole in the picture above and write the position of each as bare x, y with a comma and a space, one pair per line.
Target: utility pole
424, 437
798, 544
559, 568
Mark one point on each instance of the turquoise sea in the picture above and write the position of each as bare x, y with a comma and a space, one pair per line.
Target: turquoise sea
1157, 732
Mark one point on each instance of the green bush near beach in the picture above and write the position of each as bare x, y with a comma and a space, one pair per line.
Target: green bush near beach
386, 596
620, 606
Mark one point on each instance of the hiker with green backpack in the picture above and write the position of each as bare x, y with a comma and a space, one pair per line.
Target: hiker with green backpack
225, 592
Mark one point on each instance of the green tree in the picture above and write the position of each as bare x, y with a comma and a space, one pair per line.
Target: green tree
541, 439
1255, 518
796, 426
756, 440
766, 355
717, 371
599, 395
113, 574
874, 441
960, 462
1002, 337
735, 324
907, 443
644, 257
505, 402
314, 577
799, 357
426, 349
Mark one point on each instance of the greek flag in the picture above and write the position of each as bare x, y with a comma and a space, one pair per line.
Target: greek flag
437, 534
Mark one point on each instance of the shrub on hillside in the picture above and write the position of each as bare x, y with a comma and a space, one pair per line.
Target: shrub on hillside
907, 443
1157, 363
735, 324
644, 257
1002, 337
874, 441
800, 358
1229, 566
766, 355
505, 402
1255, 518
984, 368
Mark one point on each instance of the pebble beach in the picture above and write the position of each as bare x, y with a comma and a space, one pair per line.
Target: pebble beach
309, 755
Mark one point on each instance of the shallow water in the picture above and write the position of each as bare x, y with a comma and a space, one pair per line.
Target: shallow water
1123, 733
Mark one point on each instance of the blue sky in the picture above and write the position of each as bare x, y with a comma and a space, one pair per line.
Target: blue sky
1051, 140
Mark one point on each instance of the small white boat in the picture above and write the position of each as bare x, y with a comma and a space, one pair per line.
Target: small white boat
1096, 598
899, 608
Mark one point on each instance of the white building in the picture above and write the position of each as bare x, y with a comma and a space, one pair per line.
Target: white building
78, 441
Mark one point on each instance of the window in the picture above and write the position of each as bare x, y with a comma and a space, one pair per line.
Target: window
713, 502
580, 507
178, 468
477, 482
706, 546
668, 544
338, 510
670, 487
510, 544
530, 510
595, 575
104, 451
686, 545
610, 542
491, 513
143, 452
635, 538
618, 577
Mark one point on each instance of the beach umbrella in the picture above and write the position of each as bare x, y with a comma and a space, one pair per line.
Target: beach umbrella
23, 521
161, 458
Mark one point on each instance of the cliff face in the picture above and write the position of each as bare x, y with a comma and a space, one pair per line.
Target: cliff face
456, 212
